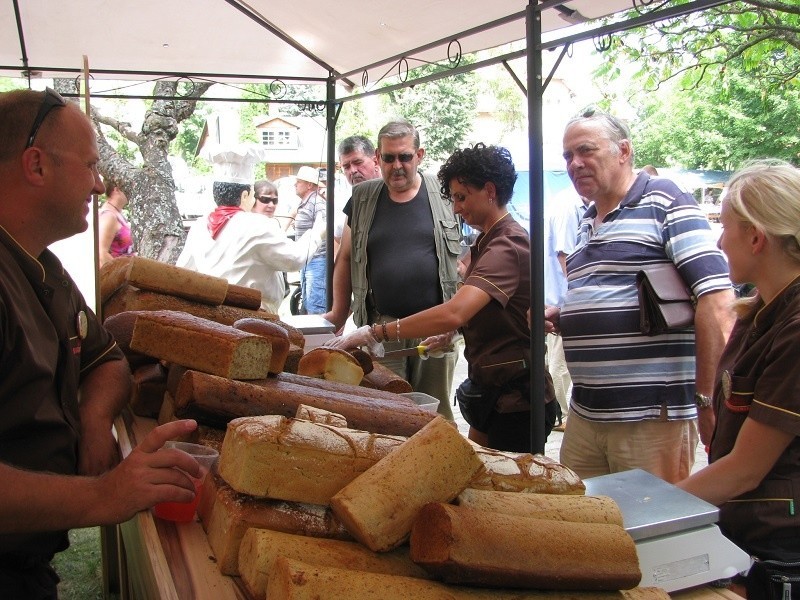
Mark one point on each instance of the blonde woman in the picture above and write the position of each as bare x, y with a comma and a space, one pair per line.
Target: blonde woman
754, 461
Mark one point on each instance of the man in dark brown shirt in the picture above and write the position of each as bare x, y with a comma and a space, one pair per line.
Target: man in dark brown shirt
62, 378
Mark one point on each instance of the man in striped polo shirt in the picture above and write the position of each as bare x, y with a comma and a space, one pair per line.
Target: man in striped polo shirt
637, 401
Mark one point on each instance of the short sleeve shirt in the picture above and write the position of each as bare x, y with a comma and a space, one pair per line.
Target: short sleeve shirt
618, 373
497, 338
759, 379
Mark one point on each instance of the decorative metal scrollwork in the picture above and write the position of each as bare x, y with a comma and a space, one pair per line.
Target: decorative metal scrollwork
190, 87
454, 58
277, 89
364, 79
402, 69
311, 106
603, 43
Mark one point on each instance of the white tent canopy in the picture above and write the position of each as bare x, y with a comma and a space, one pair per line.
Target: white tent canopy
264, 38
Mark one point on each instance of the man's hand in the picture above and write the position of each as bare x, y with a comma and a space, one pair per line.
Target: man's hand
552, 319
150, 474
705, 425
362, 336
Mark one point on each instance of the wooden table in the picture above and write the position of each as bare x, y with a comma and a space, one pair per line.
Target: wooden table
173, 561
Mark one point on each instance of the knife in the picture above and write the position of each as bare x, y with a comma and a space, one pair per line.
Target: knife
421, 351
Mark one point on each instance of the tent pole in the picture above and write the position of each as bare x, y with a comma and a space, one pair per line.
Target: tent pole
331, 117
533, 30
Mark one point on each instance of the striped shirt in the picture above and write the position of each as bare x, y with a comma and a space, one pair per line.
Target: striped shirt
618, 373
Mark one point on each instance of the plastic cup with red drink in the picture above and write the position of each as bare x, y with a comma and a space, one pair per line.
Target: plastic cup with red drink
183, 512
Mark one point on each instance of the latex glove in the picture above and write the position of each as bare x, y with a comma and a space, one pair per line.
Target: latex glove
360, 337
442, 342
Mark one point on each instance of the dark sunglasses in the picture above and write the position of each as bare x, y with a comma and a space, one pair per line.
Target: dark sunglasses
267, 199
403, 158
51, 99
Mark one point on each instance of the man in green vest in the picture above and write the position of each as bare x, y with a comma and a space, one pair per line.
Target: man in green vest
400, 249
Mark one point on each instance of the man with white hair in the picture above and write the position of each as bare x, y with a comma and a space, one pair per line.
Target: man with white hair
636, 398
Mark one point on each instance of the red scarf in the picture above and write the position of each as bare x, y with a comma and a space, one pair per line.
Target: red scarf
220, 216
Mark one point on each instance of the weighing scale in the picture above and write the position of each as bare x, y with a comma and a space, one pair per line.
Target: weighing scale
678, 543
314, 328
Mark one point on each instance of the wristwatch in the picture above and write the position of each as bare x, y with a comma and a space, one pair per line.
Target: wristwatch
701, 400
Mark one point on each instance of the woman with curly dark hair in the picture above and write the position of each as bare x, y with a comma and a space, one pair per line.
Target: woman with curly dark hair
490, 307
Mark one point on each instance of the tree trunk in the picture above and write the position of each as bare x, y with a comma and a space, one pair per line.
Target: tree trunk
156, 223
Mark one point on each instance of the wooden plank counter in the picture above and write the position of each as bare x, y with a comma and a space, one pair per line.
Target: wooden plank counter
173, 561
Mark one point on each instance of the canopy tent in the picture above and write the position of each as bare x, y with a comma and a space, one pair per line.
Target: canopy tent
317, 41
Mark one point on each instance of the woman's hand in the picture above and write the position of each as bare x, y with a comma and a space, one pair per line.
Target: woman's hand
363, 336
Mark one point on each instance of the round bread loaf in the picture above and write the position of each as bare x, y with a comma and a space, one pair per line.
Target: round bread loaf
331, 364
277, 335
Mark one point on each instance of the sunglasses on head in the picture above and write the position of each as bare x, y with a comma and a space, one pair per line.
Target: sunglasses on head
403, 158
267, 199
51, 100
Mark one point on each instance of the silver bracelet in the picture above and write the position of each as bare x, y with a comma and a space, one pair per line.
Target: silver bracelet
397, 324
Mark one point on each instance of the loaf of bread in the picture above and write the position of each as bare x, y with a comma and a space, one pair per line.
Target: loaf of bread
215, 401
318, 415
201, 344
226, 515
243, 297
261, 547
264, 448
277, 336
120, 326
364, 359
147, 392
379, 506
344, 388
475, 547
522, 472
296, 580
288, 459
331, 364
555, 507
113, 276
383, 378
164, 278
293, 359
129, 298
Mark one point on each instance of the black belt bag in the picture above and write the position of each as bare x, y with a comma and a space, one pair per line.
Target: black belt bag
476, 403
773, 580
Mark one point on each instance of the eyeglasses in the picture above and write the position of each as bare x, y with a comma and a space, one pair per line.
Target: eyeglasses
403, 158
51, 99
267, 199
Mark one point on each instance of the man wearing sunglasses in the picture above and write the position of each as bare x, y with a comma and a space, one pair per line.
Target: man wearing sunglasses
398, 256
63, 380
